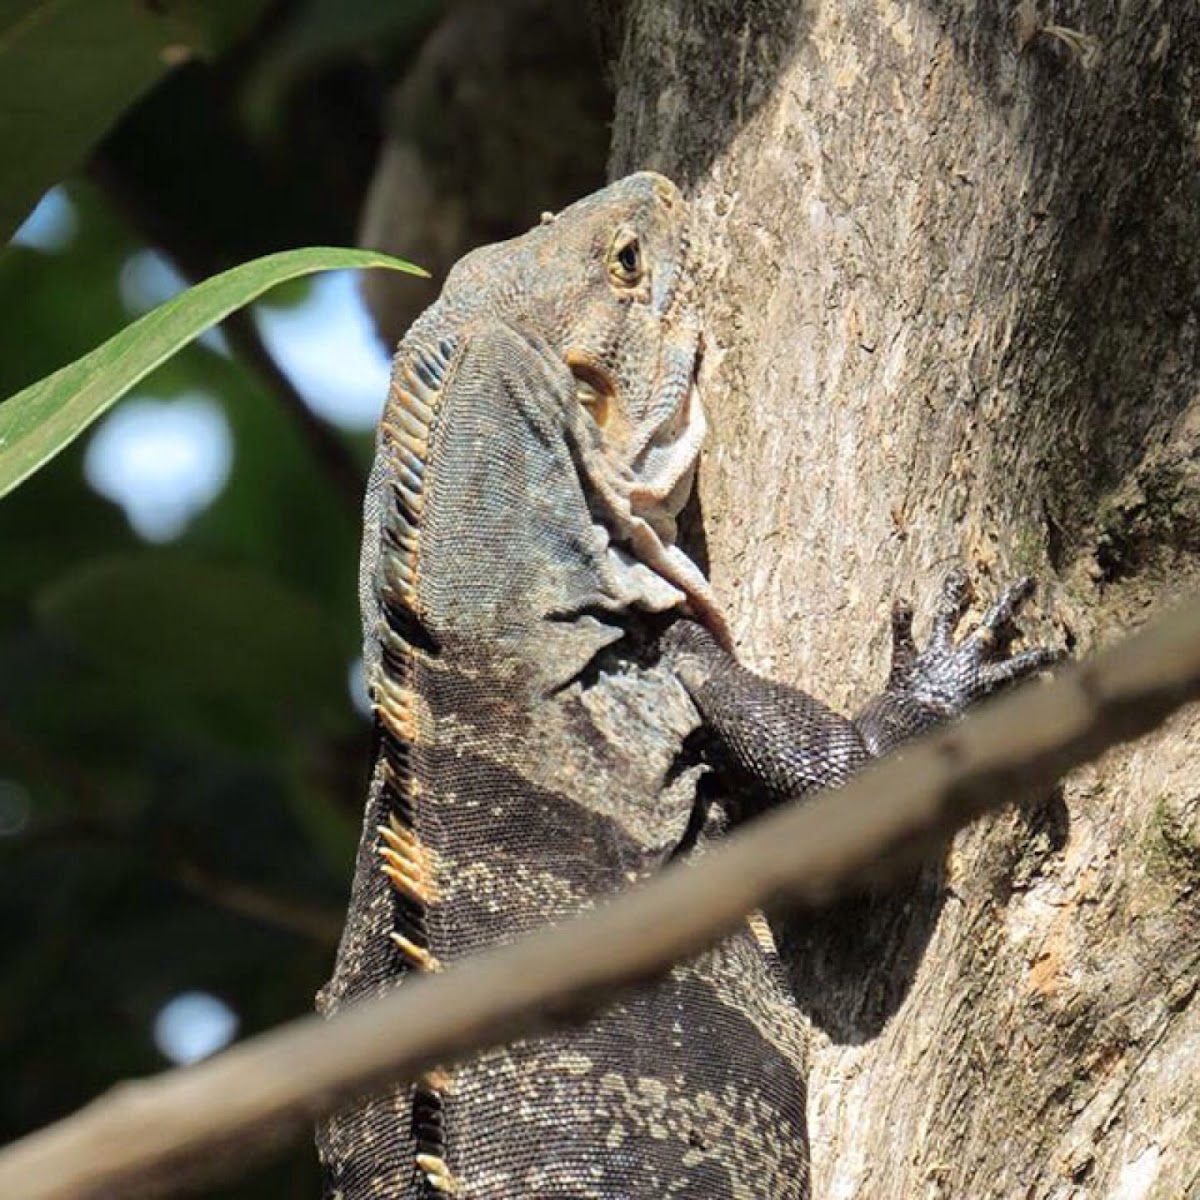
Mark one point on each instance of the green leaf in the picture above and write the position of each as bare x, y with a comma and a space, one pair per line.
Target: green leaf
37, 422
189, 633
69, 68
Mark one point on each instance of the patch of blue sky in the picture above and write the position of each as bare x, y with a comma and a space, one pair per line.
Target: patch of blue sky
328, 349
163, 462
192, 1026
52, 225
356, 683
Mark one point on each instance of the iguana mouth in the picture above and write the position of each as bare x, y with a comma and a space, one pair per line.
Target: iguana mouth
594, 390
644, 482
663, 476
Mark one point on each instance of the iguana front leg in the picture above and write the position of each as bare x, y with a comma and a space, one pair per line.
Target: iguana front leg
790, 744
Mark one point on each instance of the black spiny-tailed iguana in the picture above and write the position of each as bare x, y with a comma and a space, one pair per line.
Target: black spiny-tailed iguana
539, 654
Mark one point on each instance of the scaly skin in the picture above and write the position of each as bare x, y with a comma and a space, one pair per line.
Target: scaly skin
540, 656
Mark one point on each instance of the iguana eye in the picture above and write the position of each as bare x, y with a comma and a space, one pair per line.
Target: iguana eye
625, 262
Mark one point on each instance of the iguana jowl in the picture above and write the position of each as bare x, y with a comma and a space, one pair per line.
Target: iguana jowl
540, 654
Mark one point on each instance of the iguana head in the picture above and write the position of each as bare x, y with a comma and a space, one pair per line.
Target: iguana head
604, 287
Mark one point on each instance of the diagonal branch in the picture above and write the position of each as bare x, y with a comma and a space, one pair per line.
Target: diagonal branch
172, 1132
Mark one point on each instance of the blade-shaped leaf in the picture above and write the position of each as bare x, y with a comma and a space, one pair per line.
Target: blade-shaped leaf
37, 422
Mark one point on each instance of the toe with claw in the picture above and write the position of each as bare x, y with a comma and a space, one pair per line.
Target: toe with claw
929, 686
952, 673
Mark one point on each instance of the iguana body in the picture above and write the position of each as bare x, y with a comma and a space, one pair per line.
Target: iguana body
540, 655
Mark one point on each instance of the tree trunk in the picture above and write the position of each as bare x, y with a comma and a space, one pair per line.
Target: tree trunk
951, 256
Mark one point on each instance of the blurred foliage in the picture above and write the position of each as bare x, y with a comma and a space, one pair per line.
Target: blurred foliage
182, 769
68, 68
176, 718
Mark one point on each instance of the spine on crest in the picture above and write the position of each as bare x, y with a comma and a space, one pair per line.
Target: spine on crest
409, 865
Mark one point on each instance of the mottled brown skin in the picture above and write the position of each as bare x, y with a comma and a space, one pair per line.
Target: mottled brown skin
541, 656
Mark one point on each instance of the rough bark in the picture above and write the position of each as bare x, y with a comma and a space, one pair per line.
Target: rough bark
952, 270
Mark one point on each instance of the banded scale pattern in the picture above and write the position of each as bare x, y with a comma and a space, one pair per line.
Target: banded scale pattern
525, 792
406, 862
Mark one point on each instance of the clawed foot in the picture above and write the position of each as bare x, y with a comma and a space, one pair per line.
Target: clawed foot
948, 676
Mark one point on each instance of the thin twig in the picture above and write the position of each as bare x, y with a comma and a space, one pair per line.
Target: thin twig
170, 1133
311, 921
320, 925
345, 476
